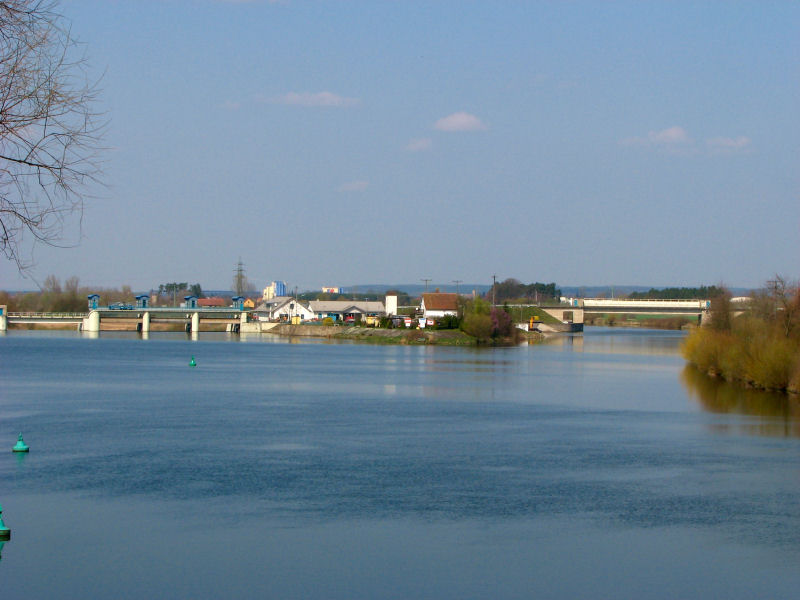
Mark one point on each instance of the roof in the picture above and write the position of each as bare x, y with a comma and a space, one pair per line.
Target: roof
346, 306
213, 301
440, 301
279, 302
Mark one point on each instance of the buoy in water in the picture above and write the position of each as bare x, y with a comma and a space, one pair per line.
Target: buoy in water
5, 532
192, 362
20, 446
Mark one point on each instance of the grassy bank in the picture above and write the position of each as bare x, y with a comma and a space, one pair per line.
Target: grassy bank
373, 335
644, 321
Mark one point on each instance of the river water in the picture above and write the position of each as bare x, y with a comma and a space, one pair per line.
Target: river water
595, 466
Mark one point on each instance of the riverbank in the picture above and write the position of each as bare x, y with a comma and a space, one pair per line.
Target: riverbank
437, 337
667, 322
749, 354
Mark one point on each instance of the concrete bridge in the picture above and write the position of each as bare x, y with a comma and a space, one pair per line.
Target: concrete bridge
580, 306
42, 318
575, 310
191, 318
645, 307
139, 319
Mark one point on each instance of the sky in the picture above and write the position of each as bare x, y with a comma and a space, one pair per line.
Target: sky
341, 143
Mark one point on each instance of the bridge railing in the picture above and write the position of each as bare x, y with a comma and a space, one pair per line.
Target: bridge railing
647, 299
46, 315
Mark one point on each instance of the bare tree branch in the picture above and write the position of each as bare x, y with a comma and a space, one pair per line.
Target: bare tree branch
49, 131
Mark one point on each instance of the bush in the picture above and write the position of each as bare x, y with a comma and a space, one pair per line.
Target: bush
488, 324
771, 363
752, 348
478, 326
448, 322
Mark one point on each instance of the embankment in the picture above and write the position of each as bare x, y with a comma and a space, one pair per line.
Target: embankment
440, 337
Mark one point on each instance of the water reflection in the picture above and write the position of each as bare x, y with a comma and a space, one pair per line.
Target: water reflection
569, 341
780, 412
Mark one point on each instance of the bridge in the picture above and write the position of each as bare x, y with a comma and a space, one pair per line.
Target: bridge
39, 318
236, 319
138, 319
645, 307
574, 310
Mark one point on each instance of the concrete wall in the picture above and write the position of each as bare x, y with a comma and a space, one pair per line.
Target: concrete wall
559, 313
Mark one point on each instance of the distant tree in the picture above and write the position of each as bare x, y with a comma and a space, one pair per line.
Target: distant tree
683, 293
514, 289
196, 290
71, 285
49, 131
785, 298
721, 313
403, 298
51, 285
173, 289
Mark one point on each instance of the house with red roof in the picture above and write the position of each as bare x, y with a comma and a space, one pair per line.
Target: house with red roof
438, 304
213, 302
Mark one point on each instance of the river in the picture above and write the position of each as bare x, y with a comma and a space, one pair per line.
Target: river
594, 466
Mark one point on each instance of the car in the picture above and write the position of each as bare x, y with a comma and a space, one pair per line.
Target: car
120, 306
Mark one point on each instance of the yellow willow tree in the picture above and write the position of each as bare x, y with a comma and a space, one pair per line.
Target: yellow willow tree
49, 131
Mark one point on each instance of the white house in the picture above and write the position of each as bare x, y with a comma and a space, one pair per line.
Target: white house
437, 305
283, 308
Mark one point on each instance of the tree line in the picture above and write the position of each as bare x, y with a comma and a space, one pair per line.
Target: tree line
514, 290
679, 293
69, 297
72, 297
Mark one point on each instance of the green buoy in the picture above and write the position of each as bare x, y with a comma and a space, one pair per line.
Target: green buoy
5, 532
192, 362
20, 446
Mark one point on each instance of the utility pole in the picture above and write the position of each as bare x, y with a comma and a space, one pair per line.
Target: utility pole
494, 290
239, 278
426, 283
457, 281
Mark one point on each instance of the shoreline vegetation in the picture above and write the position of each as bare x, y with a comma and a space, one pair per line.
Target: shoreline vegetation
370, 335
401, 336
755, 346
668, 322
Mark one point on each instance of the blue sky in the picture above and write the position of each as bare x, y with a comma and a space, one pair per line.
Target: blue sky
336, 143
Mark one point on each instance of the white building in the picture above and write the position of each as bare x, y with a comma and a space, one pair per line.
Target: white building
438, 305
283, 308
340, 310
276, 289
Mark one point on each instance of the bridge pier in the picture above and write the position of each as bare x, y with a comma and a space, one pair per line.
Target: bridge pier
92, 322
146, 322
3, 317
195, 322
559, 313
